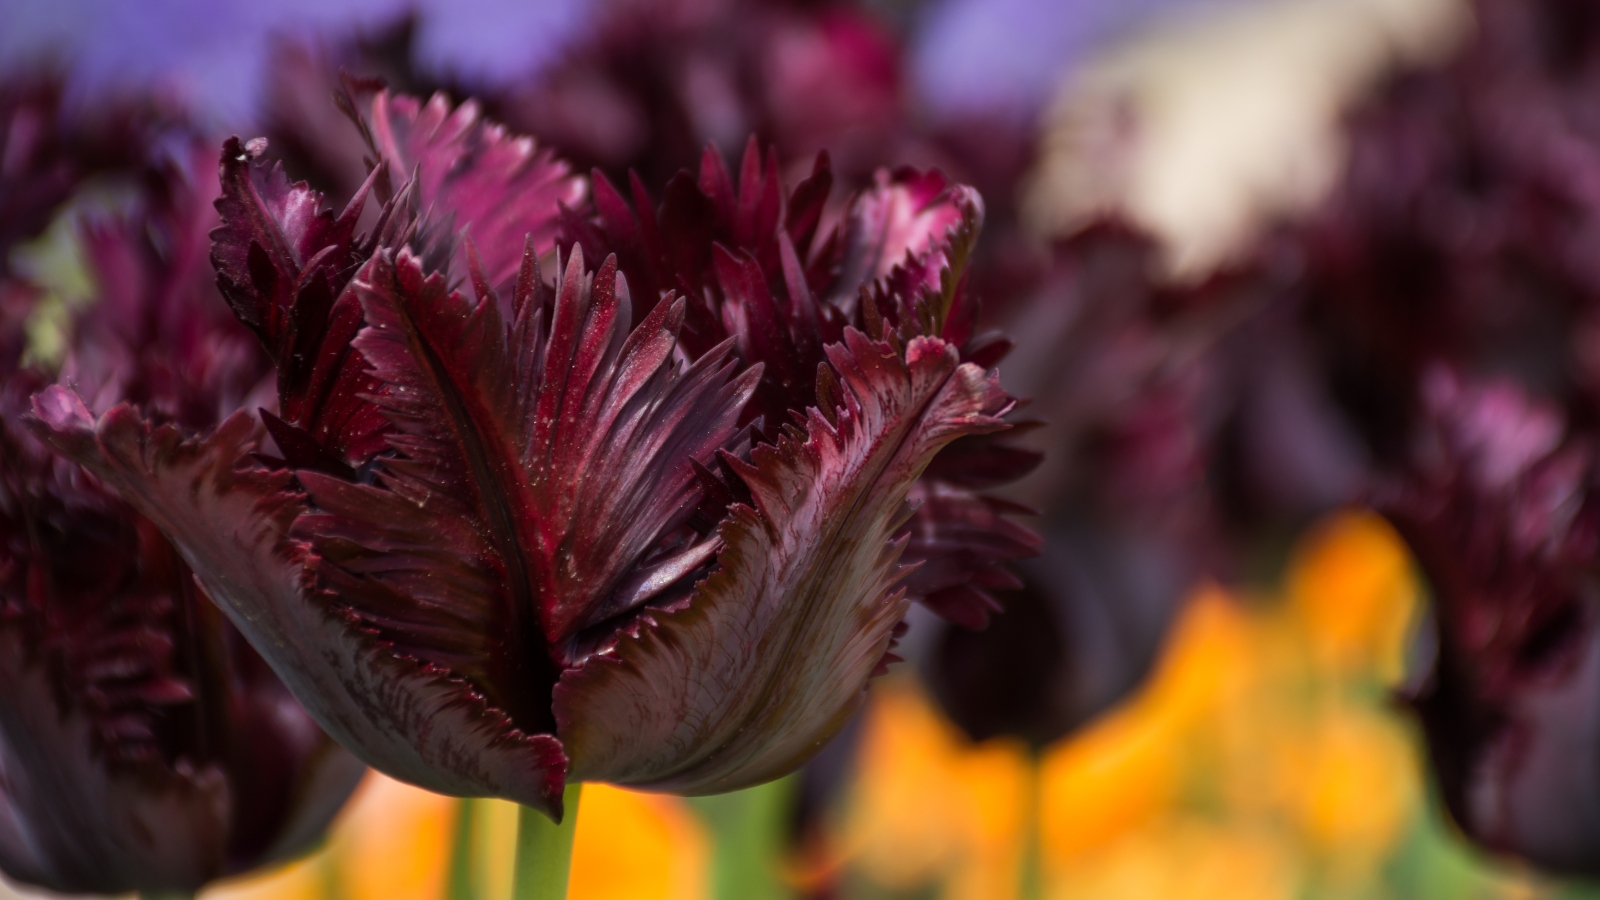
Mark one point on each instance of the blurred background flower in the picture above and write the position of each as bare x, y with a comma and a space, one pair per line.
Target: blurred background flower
1264, 758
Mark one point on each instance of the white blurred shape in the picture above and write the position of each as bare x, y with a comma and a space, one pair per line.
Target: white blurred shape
1204, 129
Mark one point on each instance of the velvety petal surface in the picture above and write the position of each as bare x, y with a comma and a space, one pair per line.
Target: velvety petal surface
768, 658
544, 475
231, 524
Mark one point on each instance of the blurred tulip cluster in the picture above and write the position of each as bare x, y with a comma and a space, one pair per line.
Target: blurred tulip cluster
382, 466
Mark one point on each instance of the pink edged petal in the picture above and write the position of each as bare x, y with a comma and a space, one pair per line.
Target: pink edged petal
904, 231
232, 524
502, 189
770, 655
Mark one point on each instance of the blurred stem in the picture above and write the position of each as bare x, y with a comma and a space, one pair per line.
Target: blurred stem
1030, 881
461, 884
544, 851
165, 895
330, 874
750, 834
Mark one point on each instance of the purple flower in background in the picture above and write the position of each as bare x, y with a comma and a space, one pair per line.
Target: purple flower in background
1461, 241
645, 87
144, 746
47, 152
1499, 507
646, 524
1130, 374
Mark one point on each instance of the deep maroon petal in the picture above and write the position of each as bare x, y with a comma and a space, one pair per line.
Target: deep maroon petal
231, 523
501, 189
1498, 505
282, 263
70, 823
962, 541
904, 220
768, 658
565, 446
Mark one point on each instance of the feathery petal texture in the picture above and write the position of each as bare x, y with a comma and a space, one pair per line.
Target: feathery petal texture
502, 189
768, 658
144, 745
232, 526
644, 524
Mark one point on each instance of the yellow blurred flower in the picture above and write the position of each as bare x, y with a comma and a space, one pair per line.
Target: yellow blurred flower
1118, 771
395, 843
1353, 781
391, 843
1186, 858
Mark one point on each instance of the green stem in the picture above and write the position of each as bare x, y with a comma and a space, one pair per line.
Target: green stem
330, 874
544, 851
750, 830
461, 884
1031, 883
165, 895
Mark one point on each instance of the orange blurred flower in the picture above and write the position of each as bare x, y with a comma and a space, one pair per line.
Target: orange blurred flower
633, 846
394, 841
1261, 759
1353, 584
929, 807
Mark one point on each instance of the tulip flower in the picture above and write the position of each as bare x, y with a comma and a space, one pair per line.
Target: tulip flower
144, 746
644, 86
650, 523
49, 153
1499, 509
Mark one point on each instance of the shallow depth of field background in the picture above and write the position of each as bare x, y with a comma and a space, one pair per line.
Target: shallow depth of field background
1264, 758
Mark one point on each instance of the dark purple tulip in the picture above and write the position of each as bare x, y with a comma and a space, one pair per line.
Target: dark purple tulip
1463, 233
144, 746
910, 234
1464, 225
1130, 374
646, 525
647, 86
47, 151
1499, 508
652, 83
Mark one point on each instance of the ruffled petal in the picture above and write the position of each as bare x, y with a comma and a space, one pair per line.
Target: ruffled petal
232, 524
769, 656
72, 824
502, 189
283, 261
